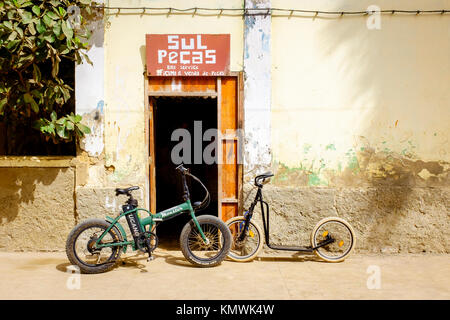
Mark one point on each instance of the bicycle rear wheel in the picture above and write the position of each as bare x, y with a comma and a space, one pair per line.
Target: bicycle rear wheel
249, 248
82, 252
343, 239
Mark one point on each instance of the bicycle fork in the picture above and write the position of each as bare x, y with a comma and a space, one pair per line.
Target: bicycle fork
199, 228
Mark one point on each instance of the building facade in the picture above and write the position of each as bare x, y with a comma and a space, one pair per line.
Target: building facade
350, 112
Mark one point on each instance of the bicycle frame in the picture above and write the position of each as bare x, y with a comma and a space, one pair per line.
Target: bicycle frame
148, 221
140, 225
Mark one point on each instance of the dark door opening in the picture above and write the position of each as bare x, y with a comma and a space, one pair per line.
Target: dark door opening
171, 113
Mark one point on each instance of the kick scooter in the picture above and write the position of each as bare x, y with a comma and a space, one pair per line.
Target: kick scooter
332, 239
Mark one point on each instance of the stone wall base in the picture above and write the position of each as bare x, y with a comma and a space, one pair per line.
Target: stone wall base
41, 206
385, 219
37, 208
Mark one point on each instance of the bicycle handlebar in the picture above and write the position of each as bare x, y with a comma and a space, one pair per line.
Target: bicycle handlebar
184, 171
263, 176
207, 199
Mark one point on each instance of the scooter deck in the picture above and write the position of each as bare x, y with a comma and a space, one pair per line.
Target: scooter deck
289, 248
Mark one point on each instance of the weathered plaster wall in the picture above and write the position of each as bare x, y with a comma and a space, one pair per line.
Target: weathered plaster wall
353, 106
37, 208
92, 192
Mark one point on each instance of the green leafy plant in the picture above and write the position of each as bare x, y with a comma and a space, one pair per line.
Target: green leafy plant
63, 128
37, 39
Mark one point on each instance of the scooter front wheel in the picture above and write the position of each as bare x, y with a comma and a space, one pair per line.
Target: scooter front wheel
249, 247
339, 235
209, 253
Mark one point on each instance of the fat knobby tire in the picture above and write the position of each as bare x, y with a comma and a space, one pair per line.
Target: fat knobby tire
226, 242
73, 235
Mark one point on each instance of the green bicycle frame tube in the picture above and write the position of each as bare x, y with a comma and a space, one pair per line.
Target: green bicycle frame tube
150, 221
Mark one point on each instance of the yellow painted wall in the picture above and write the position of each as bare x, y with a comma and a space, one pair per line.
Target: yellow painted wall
339, 89
124, 67
344, 98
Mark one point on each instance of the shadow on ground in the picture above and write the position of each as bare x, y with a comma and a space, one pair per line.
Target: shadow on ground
139, 261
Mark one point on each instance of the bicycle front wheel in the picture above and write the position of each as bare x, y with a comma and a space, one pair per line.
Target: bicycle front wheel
208, 254
249, 247
340, 232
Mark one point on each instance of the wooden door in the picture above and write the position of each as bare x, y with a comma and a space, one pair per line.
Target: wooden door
151, 151
230, 168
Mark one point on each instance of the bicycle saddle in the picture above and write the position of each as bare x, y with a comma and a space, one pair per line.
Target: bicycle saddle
126, 191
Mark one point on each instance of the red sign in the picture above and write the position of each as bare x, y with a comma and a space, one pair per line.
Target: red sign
188, 54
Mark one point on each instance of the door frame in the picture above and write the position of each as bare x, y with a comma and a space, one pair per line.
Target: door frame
150, 196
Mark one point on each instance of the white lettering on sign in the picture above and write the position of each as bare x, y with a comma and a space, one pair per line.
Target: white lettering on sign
189, 47
182, 59
197, 57
193, 51
211, 55
173, 57
161, 55
174, 41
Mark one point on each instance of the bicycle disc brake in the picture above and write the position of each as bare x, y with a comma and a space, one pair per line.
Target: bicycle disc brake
147, 242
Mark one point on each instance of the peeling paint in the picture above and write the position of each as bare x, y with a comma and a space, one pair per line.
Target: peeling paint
353, 164
365, 167
93, 143
89, 89
257, 88
315, 180
306, 147
424, 174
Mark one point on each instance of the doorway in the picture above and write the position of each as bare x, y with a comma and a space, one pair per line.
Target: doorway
177, 103
192, 115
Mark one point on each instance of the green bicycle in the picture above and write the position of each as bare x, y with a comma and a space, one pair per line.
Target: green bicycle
95, 245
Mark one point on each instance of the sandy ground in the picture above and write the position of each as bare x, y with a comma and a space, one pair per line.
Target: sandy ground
170, 276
